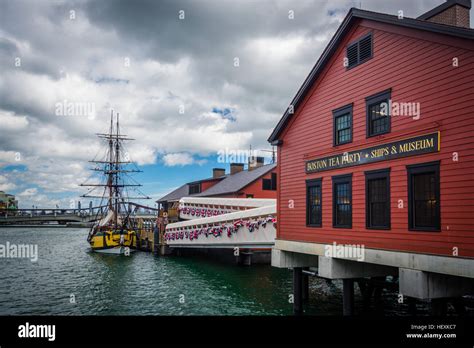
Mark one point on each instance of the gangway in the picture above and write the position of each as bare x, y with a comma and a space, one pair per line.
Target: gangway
239, 222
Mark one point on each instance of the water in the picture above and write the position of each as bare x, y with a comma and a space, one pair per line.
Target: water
144, 284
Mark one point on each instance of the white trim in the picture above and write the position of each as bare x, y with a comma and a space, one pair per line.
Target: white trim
219, 219
236, 202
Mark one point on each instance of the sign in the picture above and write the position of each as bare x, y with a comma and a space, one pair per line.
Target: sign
403, 148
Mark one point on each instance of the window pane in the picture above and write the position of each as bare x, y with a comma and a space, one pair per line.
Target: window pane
343, 204
343, 125
193, 189
266, 184
378, 118
425, 203
344, 135
274, 181
314, 205
378, 202
343, 122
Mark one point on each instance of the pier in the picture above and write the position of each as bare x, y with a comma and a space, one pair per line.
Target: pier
437, 279
246, 228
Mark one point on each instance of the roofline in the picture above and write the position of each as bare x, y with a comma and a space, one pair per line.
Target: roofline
444, 6
204, 180
240, 188
264, 173
219, 178
163, 198
351, 16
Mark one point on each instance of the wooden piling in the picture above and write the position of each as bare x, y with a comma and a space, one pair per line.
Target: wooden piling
305, 284
438, 307
348, 297
297, 291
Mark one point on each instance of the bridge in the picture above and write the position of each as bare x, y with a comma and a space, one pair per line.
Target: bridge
227, 223
68, 216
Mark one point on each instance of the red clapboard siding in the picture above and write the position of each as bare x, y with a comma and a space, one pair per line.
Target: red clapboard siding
207, 184
417, 66
255, 188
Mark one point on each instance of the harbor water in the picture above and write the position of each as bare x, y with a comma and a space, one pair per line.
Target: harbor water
69, 279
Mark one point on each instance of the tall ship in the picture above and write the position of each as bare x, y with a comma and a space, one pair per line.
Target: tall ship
114, 231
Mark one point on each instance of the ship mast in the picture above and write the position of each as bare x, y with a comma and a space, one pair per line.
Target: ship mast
117, 193
111, 151
112, 167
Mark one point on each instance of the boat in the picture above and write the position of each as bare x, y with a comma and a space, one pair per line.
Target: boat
114, 231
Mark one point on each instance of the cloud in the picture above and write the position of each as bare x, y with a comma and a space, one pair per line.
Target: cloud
181, 159
5, 185
166, 77
28, 192
10, 121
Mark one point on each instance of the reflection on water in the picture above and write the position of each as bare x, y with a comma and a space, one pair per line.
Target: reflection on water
144, 284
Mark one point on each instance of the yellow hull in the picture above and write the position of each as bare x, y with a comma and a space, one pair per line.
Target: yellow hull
104, 240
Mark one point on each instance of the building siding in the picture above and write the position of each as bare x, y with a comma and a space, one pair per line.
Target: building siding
208, 183
417, 67
254, 188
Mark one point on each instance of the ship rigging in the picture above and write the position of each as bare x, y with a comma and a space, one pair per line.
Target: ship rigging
115, 232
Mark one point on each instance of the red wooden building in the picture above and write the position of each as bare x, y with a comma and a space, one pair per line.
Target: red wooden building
257, 181
377, 147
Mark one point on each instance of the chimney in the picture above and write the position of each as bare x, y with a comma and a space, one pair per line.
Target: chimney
452, 12
236, 167
255, 162
218, 172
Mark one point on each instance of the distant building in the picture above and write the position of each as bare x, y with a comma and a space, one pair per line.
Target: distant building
8, 201
258, 181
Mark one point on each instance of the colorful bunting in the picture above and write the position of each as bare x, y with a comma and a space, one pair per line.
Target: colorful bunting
229, 229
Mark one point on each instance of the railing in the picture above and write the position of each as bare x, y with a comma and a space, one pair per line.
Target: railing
51, 211
249, 227
195, 208
83, 215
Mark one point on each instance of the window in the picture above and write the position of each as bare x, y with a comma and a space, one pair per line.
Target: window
270, 184
378, 113
314, 203
359, 51
274, 181
266, 184
342, 125
424, 197
194, 188
377, 199
342, 201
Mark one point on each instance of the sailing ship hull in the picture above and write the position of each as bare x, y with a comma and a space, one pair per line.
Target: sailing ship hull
112, 242
114, 250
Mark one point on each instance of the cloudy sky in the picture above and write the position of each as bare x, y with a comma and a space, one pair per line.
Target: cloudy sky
189, 79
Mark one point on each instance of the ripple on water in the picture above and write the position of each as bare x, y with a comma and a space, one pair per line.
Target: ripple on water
144, 284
